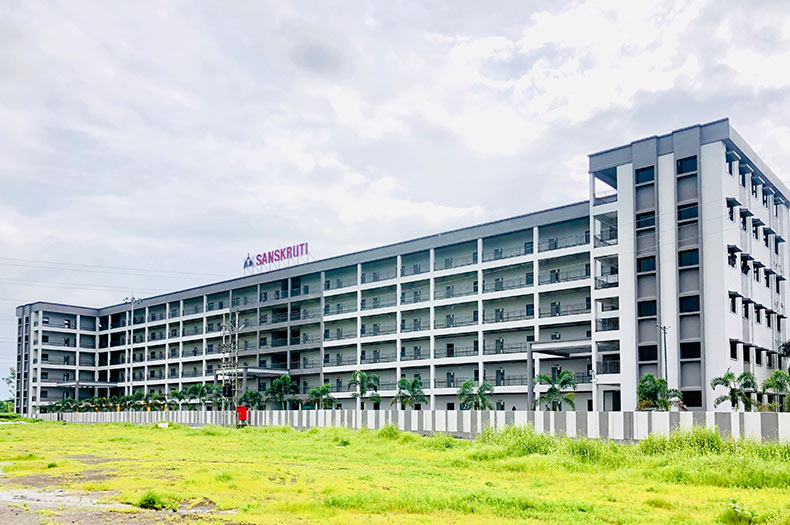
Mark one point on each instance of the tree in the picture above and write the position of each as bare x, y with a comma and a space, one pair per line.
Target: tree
409, 393
321, 396
216, 395
283, 389
138, 398
653, 392
473, 397
553, 398
784, 349
198, 393
252, 399
365, 383
10, 381
178, 396
779, 382
737, 389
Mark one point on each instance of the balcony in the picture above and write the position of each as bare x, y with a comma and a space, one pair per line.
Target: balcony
506, 284
58, 361
455, 321
412, 356
305, 340
565, 309
346, 308
608, 367
499, 253
156, 356
607, 237
273, 366
378, 330
454, 262
195, 352
138, 359
154, 375
375, 277
455, 291
558, 243
116, 361
415, 296
305, 364
276, 343
414, 269
505, 380
413, 327
450, 382
174, 313
303, 315
388, 385
156, 317
607, 325
378, 302
500, 316
195, 330
67, 343
605, 197
340, 336
192, 310
456, 352
193, 373
339, 283
610, 280
505, 348
341, 361
378, 358
562, 276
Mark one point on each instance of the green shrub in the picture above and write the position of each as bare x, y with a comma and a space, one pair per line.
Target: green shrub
52, 465
519, 441
737, 514
223, 476
389, 432
152, 500
439, 441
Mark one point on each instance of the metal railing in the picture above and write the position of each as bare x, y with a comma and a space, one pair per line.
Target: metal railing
565, 309
419, 327
305, 364
195, 352
305, 340
448, 263
456, 321
412, 356
377, 276
607, 325
561, 276
414, 269
506, 284
378, 358
381, 330
408, 297
607, 281
339, 337
504, 348
607, 237
608, 367
345, 308
378, 302
504, 317
455, 291
450, 383
512, 380
351, 360
605, 197
339, 283
465, 351
558, 243
195, 330
193, 373
500, 253
301, 315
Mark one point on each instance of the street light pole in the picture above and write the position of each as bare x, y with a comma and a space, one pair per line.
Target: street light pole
663, 330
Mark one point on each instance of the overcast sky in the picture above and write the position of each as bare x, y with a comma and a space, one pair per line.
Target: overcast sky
175, 137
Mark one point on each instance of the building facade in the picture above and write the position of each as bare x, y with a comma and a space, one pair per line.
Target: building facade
675, 266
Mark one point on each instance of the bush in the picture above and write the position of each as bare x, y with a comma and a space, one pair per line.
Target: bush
697, 440
389, 432
519, 441
439, 441
152, 500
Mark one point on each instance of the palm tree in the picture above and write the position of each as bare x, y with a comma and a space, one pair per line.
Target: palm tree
252, 399
364, 383
179, 396
409, 393
321, 397
737, 387
283, 389
471, 399
554, 398
138, 398
779, 382
655, 393
199, 393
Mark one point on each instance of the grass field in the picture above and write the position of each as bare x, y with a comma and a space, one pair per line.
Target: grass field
279, 475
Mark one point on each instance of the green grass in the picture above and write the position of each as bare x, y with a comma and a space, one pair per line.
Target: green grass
279, 475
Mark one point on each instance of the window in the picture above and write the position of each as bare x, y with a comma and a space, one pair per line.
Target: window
744, 267
687, 165
646, 308
758, 314
733, 304
690, 350
768, 318
44, 394
644, 175
732, 259
645, 264
756, 231
733, 350
743, 222
757, 274
648, 353
692, 398
643, 220
766, 241
745, 310
689, 211
731, 212
688, 258
689, 304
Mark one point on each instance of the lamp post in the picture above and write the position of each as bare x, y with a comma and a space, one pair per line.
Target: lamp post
663, 330
131, 301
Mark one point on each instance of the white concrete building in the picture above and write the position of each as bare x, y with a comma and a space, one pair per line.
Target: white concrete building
684, 231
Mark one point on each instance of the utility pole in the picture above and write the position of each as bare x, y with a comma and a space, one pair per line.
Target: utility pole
131, 301
663, 330
230, 358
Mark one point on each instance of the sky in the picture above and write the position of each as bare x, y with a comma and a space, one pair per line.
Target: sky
147, 147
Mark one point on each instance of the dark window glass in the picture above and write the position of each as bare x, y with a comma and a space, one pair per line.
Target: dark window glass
733, 350
687, 165
645, 175
690, 350
646, 308
690, 211
645, 264
692, 398
689, 304
648, 353
644, 220
688, 258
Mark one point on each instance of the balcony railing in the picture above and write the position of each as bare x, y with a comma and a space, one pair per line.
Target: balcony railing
378, 358
194, 352
414, 269
504, 348
608, 367
583, 377
192, 310
500, 253
411, 327
506, 380
342, 361
192, 373
340, 308
412, 356
302, 315
156, 357
561, 276
504, 317
159, 316
456, 321
409, 297
374, 277
305, 364
58, 361
607, 325
465, 351
273, 366
605, 197
376, 302
339, 283
506, 284
565, 309
447, 263
340, 336
558, 243
454, 291
606, 281
388, 385
450, 382
69, 344
381, 330
607, 237
194, 330
305, 340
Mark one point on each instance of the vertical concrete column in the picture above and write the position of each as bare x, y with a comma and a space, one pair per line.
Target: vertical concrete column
359, 323
432, 310
480, 311
321, 330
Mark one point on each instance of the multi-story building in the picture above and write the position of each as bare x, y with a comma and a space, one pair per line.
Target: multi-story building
675, 266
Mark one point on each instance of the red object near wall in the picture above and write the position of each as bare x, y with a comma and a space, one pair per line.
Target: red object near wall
242, 413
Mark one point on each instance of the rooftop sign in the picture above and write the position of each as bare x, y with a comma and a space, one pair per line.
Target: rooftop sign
279, 258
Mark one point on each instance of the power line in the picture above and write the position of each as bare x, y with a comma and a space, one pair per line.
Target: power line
84, 266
